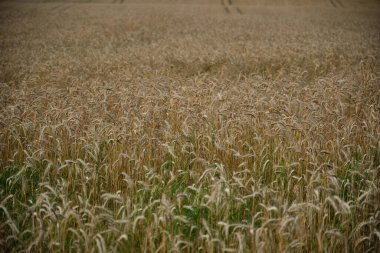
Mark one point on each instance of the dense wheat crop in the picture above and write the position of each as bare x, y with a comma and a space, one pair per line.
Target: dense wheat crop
219, 127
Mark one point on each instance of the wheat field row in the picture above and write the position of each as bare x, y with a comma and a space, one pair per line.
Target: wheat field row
182, 128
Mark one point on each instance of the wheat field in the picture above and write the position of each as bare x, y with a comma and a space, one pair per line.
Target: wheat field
190, 126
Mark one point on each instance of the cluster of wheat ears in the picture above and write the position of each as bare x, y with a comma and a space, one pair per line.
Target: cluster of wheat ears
162, 128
